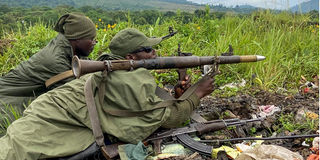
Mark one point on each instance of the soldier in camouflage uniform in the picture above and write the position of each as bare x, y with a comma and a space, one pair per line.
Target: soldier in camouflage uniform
27, 81
57, 123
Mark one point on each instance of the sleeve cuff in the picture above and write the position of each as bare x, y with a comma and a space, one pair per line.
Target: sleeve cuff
194, 99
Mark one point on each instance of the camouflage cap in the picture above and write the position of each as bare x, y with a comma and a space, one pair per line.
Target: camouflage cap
129, 40
76, 26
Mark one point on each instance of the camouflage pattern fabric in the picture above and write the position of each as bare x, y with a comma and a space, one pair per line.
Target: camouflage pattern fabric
57, 123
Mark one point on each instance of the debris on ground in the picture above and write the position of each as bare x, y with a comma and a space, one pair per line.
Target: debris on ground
234, 85
284, 112
194, 156
269, 152
244, 146
174, 151
307, 87
233, 153
285, 115
303, 113
268, 110
314, 149
315, 155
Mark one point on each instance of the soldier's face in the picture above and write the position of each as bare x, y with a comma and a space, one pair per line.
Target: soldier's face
146, 55
142, 53
84, 47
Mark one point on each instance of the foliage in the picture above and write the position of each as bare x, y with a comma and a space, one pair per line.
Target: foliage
162, 78
287, 40
288, 123
9, 115
163, 5
25, 44
252, 131
11, 16
226, 92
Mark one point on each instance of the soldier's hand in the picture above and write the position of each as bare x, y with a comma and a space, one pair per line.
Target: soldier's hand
182, 86
205, 87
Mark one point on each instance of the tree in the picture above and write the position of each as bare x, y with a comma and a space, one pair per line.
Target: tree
4, 9
199, 13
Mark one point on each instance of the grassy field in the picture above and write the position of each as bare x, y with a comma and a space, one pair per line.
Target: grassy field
289, 43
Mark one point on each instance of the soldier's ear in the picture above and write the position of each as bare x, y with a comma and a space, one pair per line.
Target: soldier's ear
131, 56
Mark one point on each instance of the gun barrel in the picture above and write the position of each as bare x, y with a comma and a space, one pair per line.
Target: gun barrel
242, 122
81, 67
259, 138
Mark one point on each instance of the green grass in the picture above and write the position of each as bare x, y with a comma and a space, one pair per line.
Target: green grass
288, 123
9, 114
25, 44
289, 44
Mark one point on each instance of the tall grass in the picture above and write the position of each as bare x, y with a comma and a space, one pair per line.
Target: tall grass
288, 42
25, 44
9, 114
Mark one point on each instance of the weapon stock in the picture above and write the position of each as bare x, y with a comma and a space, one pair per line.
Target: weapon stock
81, 67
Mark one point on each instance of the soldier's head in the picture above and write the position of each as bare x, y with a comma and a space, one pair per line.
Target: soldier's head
132, 44
79, 30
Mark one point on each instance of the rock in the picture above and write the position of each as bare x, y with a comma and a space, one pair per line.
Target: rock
229, 115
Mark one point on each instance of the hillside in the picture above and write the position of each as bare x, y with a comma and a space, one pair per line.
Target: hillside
108, 4
306, 6
133, 5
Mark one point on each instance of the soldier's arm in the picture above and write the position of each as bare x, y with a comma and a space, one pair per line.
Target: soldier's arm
181, 111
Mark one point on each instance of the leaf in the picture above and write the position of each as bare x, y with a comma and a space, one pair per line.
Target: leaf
258, 81
157, 22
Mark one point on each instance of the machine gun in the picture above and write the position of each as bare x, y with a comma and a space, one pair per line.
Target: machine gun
181, 134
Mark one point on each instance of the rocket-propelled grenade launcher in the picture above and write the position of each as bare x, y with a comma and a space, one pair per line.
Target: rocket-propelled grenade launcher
81, 67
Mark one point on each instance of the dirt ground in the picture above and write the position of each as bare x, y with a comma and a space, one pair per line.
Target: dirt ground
245, 106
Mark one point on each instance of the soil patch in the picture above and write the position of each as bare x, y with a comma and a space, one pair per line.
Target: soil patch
247, 106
